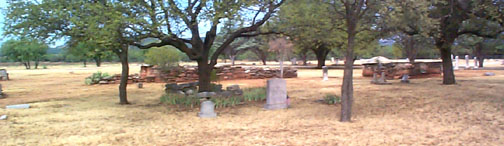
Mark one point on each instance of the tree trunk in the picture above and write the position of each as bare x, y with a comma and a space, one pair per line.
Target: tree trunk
123, 57
36, 64
321, 55
204, 70
478, 52
26, 65
84, 62
448, 75
232, 57
347, 86
411, 51
99, 61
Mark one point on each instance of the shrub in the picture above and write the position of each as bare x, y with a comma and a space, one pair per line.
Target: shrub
95, 78
164, 57
250, 94
332, 99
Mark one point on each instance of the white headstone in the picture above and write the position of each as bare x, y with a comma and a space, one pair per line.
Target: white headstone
467, 61
337, 60
294, 61
325, 71
207, 110
456, 63
452, 57
407, 60
476, 62
17, 106
276, 94
332, 59
405, 78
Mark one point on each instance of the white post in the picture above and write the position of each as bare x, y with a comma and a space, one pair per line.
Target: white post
456, 63
325, 73
476, 62
467, 61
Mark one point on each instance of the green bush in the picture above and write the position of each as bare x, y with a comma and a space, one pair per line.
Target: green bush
250, 94
95, 78
164, 57
332, 99
181, 100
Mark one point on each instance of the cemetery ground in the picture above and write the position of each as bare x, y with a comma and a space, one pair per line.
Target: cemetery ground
65, 111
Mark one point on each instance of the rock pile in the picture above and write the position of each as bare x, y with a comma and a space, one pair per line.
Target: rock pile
227, 72
4, 76
192, 89
1, 94
116, 79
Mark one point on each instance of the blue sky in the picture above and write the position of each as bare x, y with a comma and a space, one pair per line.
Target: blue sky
3, 4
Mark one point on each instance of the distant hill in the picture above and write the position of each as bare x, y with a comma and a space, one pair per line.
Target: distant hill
55, 50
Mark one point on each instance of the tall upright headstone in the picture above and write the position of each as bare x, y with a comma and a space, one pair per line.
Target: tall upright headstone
332, 59
325, 73
476, 62
407, 60
467, 61
276, 94
456, 67
294, 61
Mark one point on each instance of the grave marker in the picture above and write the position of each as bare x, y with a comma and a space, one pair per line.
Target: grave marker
325, 73
276, 94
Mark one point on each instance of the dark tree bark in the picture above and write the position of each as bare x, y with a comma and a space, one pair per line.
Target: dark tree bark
84, 62
98, 61
204, 71
410, 49
347, 85
304, 56
321, 54
448, 75
36, 63
123, 57
478, 52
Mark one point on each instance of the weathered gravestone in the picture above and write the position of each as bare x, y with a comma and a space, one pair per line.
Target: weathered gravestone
456, 63
207, 109
18, 106
467, 61
276, 94
332, 59
405, 78
1, 94
4, 75
140, 85
489, 74
325, 71
476, 62
3, 117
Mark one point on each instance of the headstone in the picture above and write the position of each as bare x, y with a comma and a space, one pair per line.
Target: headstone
325, 73
189, 92
332, 59
18, 106
171, 87
476, 62
276, 94
456, 63
467, 61
452, 57
140, 85
489, 74
103, 82
233, 87
3, 117
405, 78
206, 94
294, 61
207, 110
4, 75
374, 80
238, 92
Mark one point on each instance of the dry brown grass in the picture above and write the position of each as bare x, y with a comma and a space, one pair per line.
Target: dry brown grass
67, 112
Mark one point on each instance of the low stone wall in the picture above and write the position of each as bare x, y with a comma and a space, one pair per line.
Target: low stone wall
190, 74
396, 70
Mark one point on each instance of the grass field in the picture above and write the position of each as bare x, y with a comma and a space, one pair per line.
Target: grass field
65, 111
